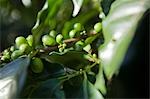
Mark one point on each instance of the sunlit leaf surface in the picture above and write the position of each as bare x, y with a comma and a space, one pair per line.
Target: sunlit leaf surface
119, 29
12, 77
77, 6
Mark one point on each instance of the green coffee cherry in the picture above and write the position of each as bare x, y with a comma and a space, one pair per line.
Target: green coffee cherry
6, 56
64, 45
94, 56
98, 27
53, 33
20, 40
5, 51
25, 48
79, 45
59, 38
61, 49
87, 48
77, 27
12, 48
3, 58
16, 54
30, 40
37, 65
48, 40
72, 33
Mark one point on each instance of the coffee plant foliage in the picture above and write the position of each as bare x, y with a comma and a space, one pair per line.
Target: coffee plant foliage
75, 48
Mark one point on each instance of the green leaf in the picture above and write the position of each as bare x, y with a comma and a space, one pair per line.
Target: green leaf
49, 89
100, 81
89, 90
15, 67
52, 70
77, 6
13, 76
119, 29
79, 87
45, 16
64, 58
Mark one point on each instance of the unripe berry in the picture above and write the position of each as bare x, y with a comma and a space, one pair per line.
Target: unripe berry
94, 56
25, 48
20, 40
79, 45
53, 33
87, 48
3, 58
16, 54
6, 56
77, 27
61, 49
48, 40
37, 65
59, 38
72, 33
30, 40
5, 51
98, 27
12, 48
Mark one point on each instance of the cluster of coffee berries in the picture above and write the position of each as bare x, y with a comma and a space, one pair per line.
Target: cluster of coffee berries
76, 31
22, 46
49, 39
54, 38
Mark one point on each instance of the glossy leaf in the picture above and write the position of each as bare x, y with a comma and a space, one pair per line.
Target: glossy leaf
100, 81
106, 4
119, 29
13, 76
77, 6
45, 16
49, 89
89, 91
52, 70
81, 88
64, 58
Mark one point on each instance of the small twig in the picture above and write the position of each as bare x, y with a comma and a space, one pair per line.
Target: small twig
71, 40
49, 49
80, 72
69, 43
